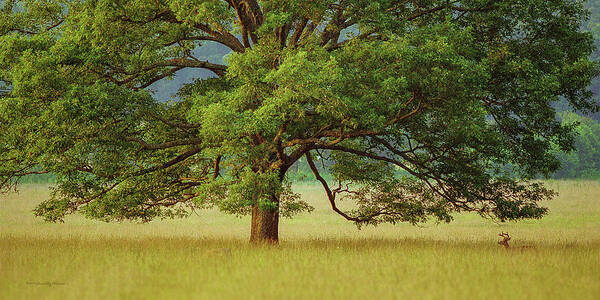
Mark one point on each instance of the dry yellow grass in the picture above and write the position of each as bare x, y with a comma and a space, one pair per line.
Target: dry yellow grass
320, 256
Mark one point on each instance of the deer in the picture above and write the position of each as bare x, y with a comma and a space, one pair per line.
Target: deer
505, 238
504, 242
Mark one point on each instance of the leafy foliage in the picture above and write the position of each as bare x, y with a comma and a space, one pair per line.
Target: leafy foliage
448, 92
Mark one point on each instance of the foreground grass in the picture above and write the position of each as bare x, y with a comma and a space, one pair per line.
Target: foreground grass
320, 256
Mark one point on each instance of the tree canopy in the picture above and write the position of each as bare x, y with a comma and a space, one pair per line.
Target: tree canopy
451, 93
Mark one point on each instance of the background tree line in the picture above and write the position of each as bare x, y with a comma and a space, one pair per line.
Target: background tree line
585, 162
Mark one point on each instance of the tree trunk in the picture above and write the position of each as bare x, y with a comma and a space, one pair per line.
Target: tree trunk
265, 226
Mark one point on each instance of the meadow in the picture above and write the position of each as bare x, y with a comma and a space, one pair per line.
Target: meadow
320, 255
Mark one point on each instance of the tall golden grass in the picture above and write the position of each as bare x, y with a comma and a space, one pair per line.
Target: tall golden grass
320, 256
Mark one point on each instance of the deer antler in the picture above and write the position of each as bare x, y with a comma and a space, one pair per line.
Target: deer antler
506, 237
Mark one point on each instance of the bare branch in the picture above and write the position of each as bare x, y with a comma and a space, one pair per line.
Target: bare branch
330, 194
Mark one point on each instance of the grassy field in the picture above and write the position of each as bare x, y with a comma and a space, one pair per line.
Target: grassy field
320, 256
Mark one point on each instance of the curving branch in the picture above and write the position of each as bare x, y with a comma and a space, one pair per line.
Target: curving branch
174, 65
330, 194
180, 158
223, 37
32, 32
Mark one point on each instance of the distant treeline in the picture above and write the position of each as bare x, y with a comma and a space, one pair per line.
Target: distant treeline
41, 178
585, 162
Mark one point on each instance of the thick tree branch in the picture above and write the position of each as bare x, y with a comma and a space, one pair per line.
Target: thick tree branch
225, 38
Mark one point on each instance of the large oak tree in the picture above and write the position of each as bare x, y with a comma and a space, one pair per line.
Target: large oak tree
420, 108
